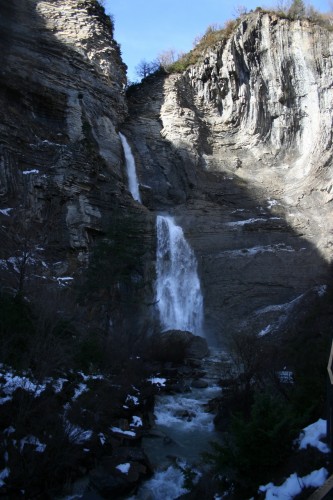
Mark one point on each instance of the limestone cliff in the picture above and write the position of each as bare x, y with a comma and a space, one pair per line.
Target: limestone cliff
62, 176
241, 145
238, 148
62, 98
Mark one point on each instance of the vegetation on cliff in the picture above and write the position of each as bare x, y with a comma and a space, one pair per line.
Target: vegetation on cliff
215, 34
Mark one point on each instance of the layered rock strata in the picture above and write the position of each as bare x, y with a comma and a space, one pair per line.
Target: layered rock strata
240, 145
62, 99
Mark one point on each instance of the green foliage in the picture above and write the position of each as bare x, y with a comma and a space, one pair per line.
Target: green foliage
306, 349
89, 352
116, 261
212, 36
256, 446
16, 330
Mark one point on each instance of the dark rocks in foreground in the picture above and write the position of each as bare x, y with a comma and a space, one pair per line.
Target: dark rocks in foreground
176, 346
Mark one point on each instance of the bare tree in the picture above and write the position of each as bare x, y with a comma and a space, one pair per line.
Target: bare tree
297, 9
283, 5
240, 10
145, 68
167, 57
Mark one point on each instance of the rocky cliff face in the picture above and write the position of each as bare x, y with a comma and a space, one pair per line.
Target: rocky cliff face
240, 145
238, 148
62, 100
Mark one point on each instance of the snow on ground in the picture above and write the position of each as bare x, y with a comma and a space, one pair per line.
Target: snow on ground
5, 211
265, 331
80, 390
13, 382
249, 252
58, 384
28, 172
76, 434
271, 203
157, 381
294, 485
136, 421
251, 221
321, 290
64, 280
132, 399
120, 431
34, 441
124, 468
3, 474
102, 438
311, 436
91, 377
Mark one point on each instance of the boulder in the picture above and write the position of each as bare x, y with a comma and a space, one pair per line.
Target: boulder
199, 384
177, 345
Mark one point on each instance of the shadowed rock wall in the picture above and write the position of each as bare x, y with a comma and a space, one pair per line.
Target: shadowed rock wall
239, 147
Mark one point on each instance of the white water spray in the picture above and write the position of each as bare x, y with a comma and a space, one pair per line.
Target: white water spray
178, 290
133, 184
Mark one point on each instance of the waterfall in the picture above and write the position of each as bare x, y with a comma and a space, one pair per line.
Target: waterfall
178, 291
133, 184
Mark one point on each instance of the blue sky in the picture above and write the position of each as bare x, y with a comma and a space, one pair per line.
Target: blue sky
145, 28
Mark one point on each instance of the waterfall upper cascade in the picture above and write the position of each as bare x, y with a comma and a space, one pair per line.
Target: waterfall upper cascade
133, 184
178, 290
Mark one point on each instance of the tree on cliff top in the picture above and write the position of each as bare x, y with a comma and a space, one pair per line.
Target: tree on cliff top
297, 9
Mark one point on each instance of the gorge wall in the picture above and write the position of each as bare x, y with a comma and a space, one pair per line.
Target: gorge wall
238, 148
62, 177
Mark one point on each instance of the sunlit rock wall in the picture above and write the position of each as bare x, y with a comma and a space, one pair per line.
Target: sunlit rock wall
239, 146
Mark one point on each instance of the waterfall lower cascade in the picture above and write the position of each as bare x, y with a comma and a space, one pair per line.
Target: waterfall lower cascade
178, 290
133, 184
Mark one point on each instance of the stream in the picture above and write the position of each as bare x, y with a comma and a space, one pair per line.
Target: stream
183, 431
183, 426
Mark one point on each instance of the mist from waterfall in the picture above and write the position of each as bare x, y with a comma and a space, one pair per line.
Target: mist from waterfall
133, 184
178, 291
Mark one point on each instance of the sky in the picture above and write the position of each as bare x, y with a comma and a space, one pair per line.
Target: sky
145, 28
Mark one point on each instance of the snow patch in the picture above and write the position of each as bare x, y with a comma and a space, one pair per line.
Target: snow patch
132, 399
136, 421
3, 475
157, 381
321, 290
76, 434
311, 436
28, 172
13, 382
34, 441
271, 203
265, 331
251, 221
120, 431
124, 468
294, 485
244, 252
80, 390
5, 211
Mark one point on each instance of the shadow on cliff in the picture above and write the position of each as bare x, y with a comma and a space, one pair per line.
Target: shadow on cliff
254, 267
53, 174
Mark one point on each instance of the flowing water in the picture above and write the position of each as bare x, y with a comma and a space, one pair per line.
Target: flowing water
178, 291
183, 431
183, 427
133, 184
